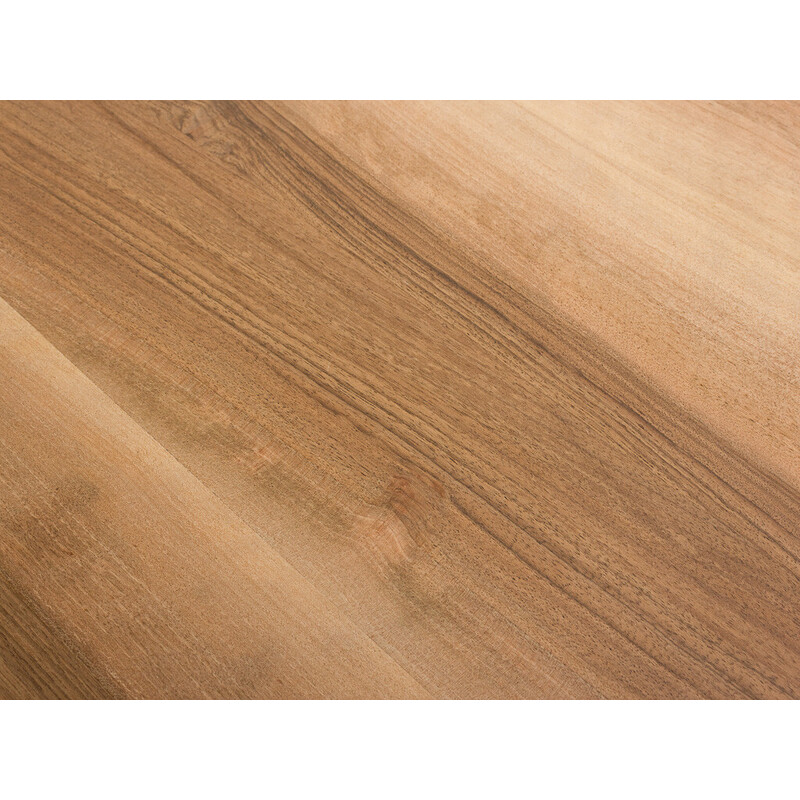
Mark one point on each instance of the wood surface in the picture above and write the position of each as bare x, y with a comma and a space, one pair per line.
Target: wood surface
400, 400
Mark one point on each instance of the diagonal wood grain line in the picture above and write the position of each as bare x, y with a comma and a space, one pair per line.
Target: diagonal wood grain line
495, 488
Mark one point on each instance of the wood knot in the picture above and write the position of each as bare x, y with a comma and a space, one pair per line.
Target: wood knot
394, 528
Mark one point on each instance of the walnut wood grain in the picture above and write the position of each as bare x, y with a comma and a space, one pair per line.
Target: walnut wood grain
391, 399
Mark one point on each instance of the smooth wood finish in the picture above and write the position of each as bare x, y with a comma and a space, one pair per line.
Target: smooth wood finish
399, 400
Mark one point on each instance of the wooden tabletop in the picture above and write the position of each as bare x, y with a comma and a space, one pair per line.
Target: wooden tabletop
399, 400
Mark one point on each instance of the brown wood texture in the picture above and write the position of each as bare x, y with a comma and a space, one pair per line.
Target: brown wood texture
478, 400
